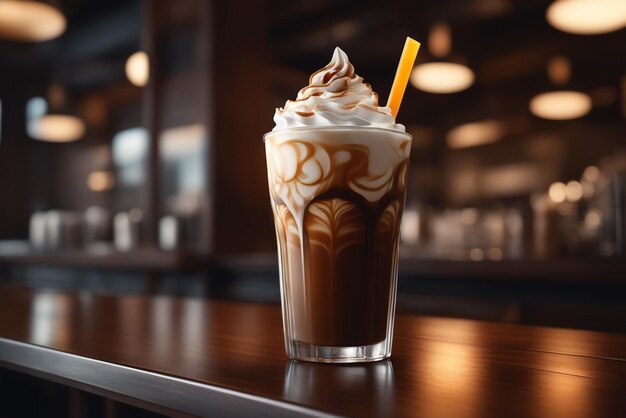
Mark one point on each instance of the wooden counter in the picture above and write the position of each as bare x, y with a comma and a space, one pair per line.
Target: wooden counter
196, 357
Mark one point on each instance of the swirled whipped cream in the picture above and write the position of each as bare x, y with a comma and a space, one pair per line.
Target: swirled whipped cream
335, 96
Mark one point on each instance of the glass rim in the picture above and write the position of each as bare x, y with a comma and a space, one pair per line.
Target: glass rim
339, 128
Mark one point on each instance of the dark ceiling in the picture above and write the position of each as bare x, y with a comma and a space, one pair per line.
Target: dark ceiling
507, 42
99, 37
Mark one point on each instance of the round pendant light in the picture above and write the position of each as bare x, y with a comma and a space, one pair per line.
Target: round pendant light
57, 128
100, 181
53, 123
138, 68
441, 77
30, 21
474, 134
587, 17
560, 105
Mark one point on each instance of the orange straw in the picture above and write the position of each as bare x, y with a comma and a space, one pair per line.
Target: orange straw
411, 46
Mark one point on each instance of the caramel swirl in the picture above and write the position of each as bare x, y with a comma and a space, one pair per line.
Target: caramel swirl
305, 165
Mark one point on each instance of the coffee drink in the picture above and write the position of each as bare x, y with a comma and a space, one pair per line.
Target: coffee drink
337, 168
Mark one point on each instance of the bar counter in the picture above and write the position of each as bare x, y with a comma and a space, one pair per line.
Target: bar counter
201, 357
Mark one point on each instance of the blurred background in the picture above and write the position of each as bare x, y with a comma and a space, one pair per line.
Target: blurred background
131, 158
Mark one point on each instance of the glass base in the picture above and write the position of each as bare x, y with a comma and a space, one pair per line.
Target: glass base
298, 350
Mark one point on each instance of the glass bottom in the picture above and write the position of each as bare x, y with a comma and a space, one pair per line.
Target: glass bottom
298, 350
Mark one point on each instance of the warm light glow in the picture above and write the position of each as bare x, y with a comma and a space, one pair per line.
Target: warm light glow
474, 134
452, 362
574, 191
559, 70
560, 105
442, 77
477, 254
557, 192
587, 17
410, 227
449, 371
99, 181
593, 218
591, 173
588, 188
138, 68
57, 128
440, 40
30, 21
50, 320
564, 392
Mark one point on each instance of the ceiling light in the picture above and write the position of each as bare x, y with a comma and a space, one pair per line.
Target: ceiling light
593, 218
559, 70
557, 192
410, 227
30, 21
99, 181
574, 191
591, 173
474, 134
560, 105
442, 77
57, 128
587, 17
440, 40
53, 123
138, 68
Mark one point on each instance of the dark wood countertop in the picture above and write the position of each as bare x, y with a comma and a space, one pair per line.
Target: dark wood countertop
201, 357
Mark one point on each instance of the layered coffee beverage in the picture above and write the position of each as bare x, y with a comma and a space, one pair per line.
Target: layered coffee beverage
337, 168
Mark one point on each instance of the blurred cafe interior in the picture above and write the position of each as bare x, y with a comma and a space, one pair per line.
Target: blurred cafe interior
132, 159
136, 231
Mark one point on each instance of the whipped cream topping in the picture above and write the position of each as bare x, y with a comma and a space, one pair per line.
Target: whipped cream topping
335, 96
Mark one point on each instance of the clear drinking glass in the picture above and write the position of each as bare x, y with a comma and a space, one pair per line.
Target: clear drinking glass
337, 196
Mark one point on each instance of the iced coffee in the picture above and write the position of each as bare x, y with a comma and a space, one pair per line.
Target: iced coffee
337, 168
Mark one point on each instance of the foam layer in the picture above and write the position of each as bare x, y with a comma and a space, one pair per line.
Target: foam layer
305, 163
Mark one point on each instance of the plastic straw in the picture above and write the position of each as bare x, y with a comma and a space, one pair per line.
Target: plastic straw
411, 47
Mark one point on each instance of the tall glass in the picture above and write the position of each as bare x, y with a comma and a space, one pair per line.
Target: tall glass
337, 196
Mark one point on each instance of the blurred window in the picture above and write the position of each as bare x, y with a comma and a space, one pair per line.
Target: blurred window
181, 150
36, 107
182, 156
130, 148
